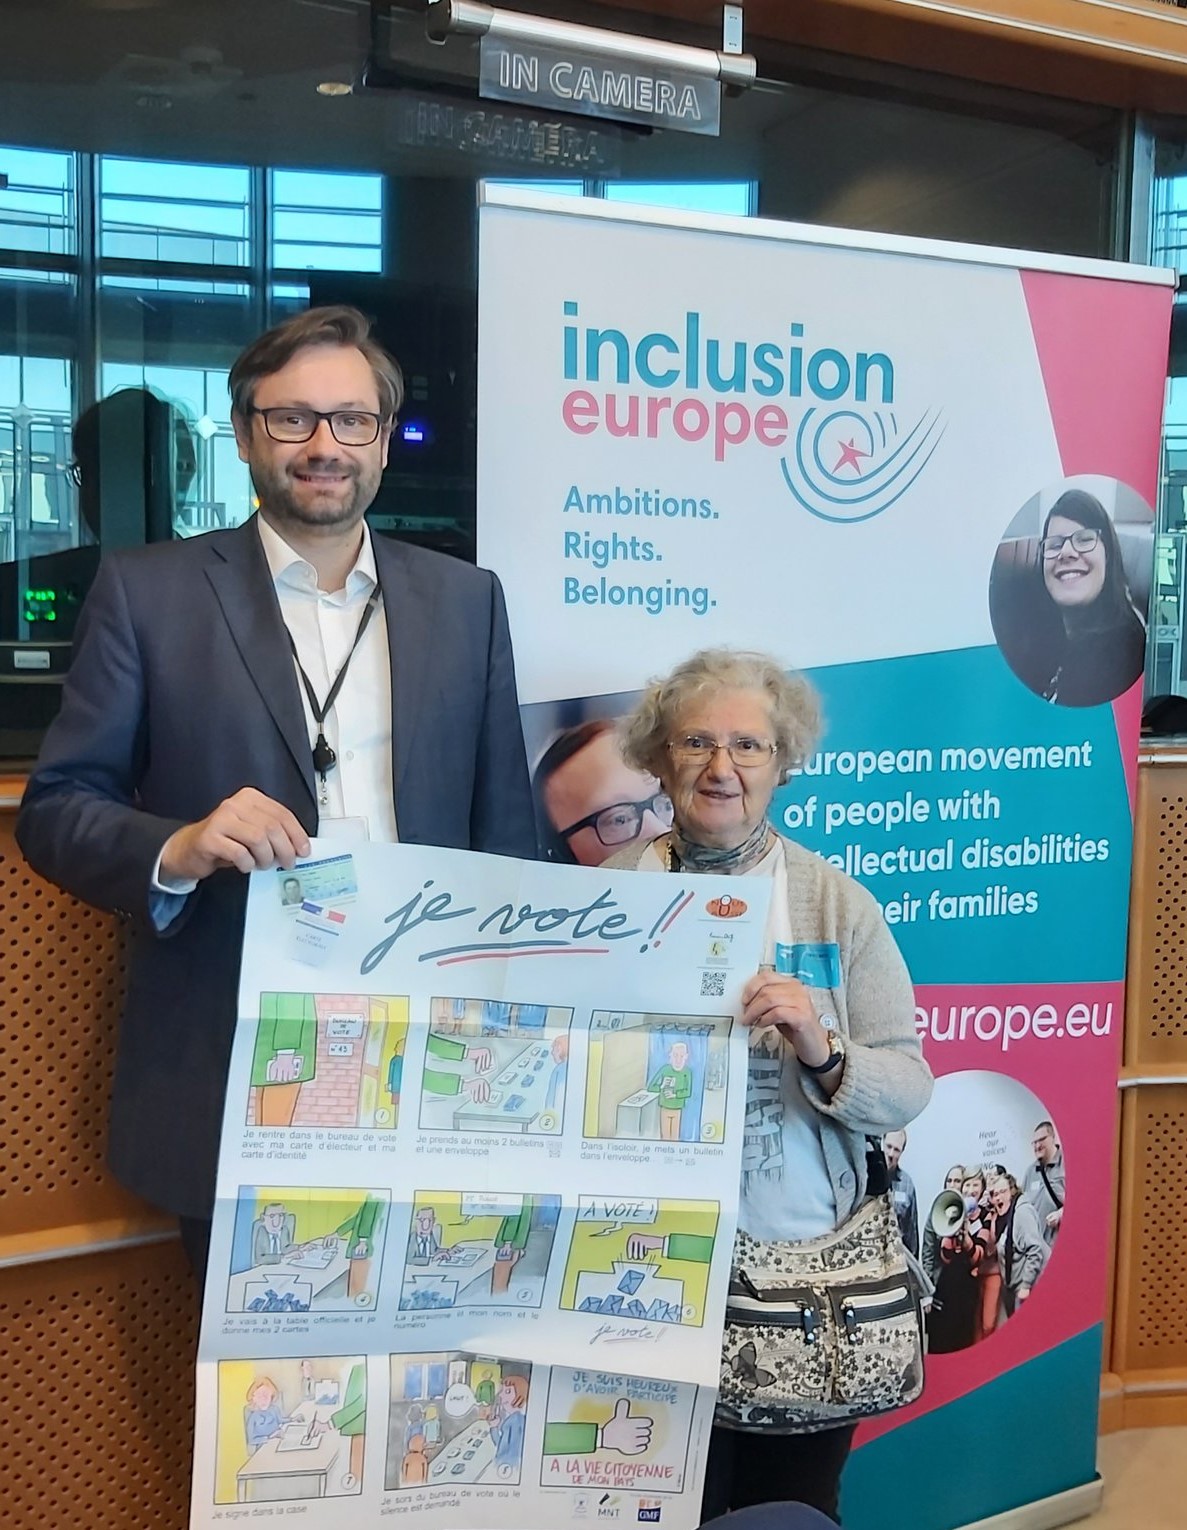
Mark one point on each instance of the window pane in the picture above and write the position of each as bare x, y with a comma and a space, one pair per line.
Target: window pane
1169, 245
173, 284
38, 504
286, 299
325, 257
738, 197
554, 188
24, 274
37, 205
322, 190
45, 383
151, 210
1166, 650
298, 227
325, 221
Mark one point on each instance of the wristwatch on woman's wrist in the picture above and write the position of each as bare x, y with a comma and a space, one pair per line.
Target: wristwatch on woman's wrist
836, 1056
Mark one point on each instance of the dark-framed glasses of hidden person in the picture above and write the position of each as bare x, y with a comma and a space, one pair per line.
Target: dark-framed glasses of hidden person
350, 427
619, 824
1083, 541
745, 751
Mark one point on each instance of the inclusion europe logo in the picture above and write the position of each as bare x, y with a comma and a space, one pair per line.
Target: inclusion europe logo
869, 471
845, 463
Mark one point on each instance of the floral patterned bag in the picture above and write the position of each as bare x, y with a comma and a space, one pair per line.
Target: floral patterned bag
822, 1332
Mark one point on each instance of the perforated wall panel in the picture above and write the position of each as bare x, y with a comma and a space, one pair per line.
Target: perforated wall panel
98, 1425
1156, 1011
62, 981
1150, 1317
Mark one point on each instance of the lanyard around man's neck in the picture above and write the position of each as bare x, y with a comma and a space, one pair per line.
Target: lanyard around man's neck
324, 758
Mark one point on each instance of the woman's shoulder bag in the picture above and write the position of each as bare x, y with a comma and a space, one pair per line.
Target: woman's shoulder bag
822, 1332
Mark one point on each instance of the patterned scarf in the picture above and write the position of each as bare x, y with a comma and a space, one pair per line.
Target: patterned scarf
693, 857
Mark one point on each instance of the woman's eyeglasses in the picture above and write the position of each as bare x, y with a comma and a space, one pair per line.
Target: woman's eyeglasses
744, 751
619, 824
1083, 541
350, 427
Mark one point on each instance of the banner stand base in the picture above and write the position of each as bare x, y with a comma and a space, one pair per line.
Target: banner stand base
1048, 1513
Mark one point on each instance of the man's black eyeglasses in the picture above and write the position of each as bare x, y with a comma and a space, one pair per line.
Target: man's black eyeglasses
619, 824
350, 427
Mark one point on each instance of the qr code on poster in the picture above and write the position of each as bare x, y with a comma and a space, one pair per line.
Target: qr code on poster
712, 985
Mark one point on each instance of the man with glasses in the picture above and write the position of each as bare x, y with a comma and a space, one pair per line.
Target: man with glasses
1045, 1183
589, 802
236, 693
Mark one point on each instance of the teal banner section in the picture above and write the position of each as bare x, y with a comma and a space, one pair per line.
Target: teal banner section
993, 828
1019, 1439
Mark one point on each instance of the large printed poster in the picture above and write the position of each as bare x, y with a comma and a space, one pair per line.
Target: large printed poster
471, 1242
924, 475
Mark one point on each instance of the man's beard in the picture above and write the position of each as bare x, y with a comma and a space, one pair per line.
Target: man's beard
286, 501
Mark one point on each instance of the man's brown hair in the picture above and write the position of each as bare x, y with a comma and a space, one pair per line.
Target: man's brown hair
339, 325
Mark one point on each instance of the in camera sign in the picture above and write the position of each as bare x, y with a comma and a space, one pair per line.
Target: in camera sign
593, 85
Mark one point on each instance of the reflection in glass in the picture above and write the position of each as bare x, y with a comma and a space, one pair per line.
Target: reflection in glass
221, 491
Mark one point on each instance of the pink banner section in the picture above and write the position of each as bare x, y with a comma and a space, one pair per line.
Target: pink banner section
1127, 717
1102, 350
1002, 1055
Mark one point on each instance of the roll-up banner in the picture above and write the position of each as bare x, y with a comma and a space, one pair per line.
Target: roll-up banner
923, 474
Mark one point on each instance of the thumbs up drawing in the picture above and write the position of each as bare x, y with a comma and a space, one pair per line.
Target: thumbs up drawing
629, 1436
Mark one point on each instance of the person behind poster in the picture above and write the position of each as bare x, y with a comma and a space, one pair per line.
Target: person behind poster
719, 733
589, 802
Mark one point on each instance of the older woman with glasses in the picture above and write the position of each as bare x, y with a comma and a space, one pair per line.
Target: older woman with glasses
833, 1063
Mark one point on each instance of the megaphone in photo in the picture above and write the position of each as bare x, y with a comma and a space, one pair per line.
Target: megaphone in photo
947, 1213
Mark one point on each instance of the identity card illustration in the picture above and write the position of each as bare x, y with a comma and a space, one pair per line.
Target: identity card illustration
477, 1193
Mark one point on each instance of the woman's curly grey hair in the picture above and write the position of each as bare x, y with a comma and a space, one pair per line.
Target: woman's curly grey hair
794, 705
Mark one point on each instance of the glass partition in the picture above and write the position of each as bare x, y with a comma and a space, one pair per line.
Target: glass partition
1166, 655
173, 179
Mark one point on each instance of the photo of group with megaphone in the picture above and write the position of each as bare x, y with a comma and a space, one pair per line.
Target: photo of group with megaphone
984, 1223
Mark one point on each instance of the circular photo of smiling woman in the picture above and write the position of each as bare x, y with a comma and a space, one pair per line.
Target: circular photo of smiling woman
1069, 589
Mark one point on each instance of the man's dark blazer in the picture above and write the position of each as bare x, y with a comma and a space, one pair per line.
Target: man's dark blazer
182, 691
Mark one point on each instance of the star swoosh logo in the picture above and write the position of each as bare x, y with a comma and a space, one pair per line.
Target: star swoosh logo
850, 466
